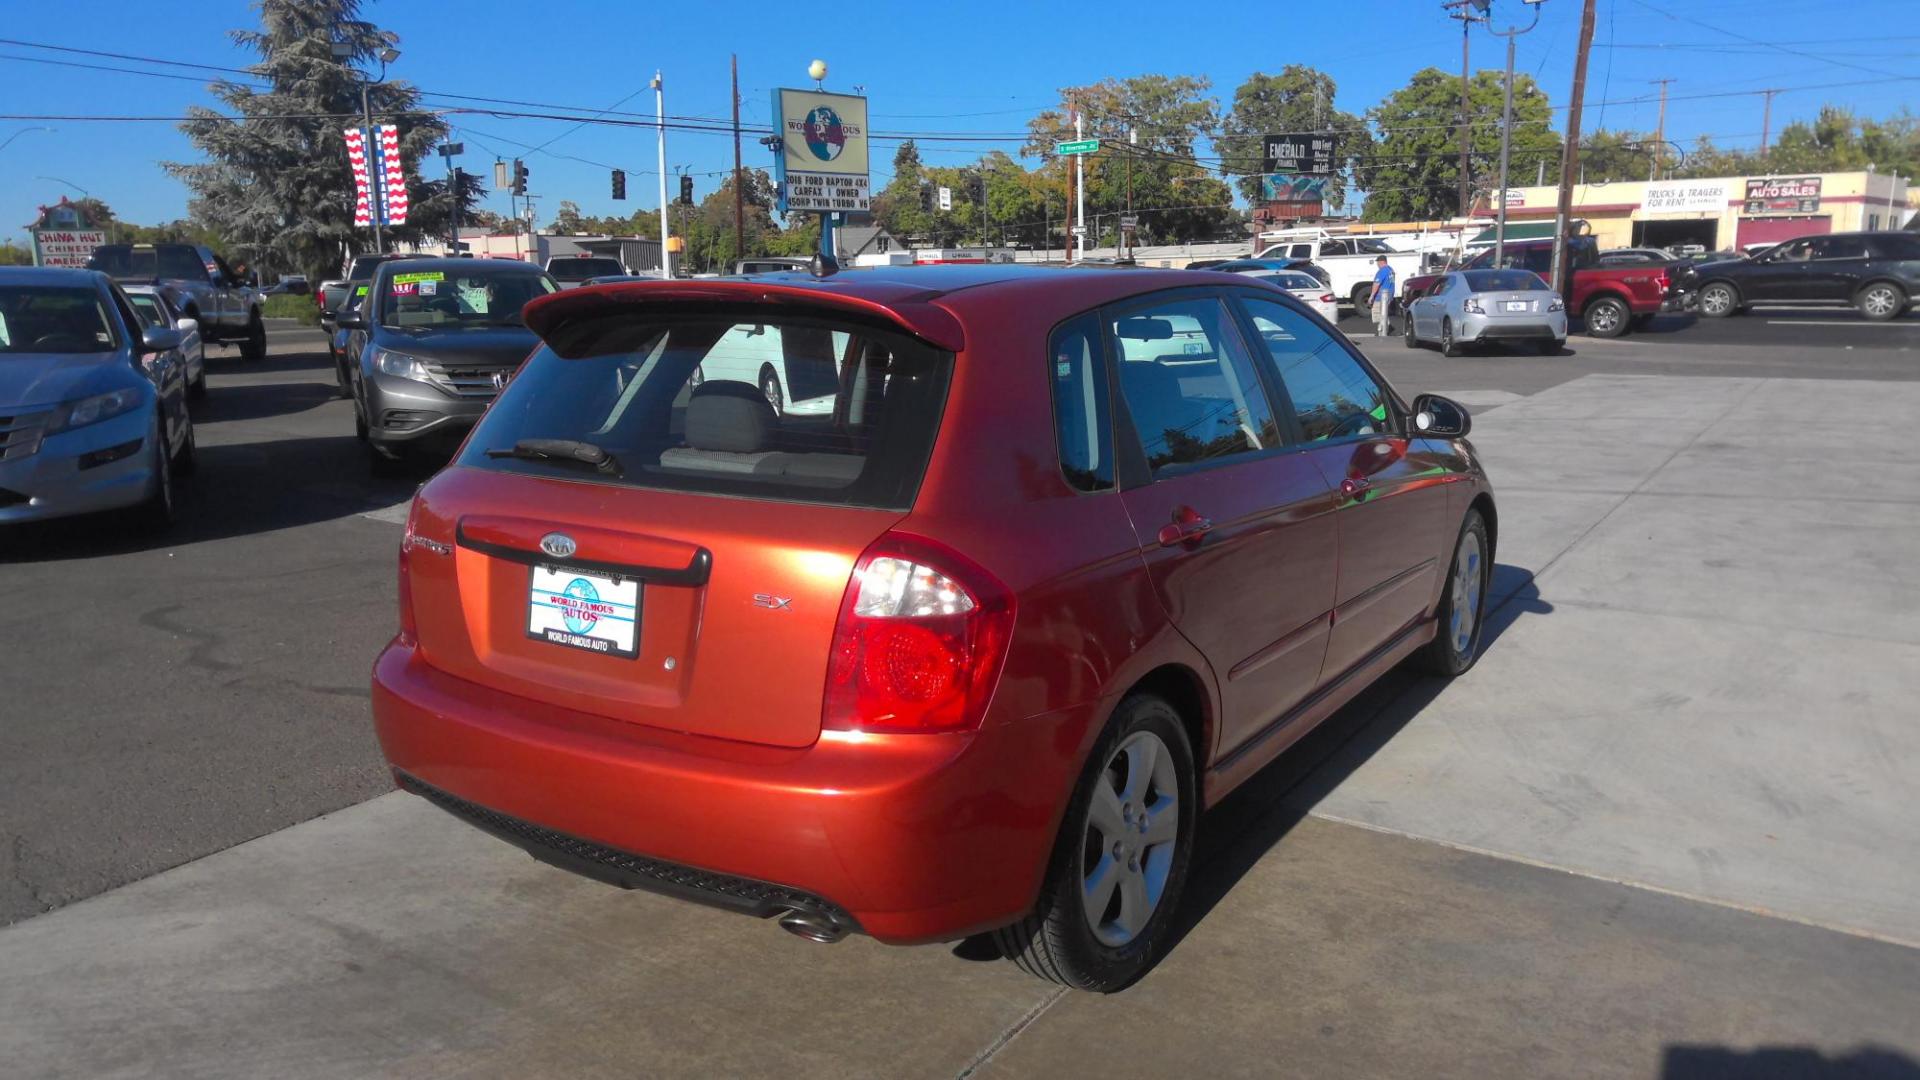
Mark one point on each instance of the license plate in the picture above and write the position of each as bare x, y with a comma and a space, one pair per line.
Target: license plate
1518, 305
582, 610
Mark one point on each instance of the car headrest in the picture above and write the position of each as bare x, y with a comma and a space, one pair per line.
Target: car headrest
730, 416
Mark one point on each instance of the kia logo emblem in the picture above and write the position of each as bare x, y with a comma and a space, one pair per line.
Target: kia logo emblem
559, 545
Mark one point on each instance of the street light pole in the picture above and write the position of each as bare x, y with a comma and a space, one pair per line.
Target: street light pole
23, 131
373, 137
1506, 131
660, 124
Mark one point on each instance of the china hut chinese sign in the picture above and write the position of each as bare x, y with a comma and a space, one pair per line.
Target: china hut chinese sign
64, 237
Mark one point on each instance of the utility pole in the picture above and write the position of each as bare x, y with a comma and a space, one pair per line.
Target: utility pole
1659, 131
1570, 158
660, 124
1506, 131
1080, 186
379, 204
1766, 122
739, 180
1133, 140
1463, 10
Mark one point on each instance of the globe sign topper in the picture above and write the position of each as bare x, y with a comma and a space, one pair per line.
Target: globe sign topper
824, 135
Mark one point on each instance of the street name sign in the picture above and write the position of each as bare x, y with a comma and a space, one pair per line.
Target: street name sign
1077, 146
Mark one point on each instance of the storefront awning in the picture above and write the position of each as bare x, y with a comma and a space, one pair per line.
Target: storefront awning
1517, 230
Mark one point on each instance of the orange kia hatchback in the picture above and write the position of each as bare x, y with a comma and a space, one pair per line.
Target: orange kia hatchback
919, 602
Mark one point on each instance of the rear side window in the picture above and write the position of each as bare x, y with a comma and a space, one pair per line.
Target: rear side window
1081, 422
1191, 388
1895, 246
800, 409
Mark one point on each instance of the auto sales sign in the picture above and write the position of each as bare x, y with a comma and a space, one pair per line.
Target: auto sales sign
1783, 195
823, 150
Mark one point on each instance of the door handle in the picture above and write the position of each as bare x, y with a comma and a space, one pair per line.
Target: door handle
1354, 485
1187, 527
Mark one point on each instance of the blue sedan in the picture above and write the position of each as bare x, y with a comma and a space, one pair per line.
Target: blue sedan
93, 412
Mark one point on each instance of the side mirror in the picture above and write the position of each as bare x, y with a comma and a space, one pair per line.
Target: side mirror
187, 326
154, 339
1440, 418
350, 320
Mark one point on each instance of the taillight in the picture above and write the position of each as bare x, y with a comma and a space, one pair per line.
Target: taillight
1661, 282
919, 645
1327, 298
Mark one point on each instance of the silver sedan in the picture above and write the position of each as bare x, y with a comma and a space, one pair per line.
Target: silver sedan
1472, 307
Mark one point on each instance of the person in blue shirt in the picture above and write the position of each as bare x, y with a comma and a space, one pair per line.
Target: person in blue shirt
1382, 297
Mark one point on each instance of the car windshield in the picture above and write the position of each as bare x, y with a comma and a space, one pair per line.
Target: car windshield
580, 269
363, 267
1370, 246
138, 263
429, 299
1503, 281
53, 319
797, 409
149, 308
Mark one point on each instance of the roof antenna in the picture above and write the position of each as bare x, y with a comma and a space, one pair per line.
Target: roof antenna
823, 265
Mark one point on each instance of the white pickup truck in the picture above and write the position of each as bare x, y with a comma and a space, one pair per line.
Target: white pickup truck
1348, 260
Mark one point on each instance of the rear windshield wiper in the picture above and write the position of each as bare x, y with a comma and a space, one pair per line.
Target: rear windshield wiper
562, 452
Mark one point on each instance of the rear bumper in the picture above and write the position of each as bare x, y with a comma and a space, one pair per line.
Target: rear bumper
914, 837
1551, 326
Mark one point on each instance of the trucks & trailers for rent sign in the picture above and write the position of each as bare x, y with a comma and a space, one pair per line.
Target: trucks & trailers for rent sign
823, 150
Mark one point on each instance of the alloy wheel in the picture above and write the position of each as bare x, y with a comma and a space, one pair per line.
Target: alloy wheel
1603, 319
1716, 300
1132, 828
1466, 593
1879, 302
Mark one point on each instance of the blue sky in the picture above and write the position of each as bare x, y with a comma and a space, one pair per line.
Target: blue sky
981, 67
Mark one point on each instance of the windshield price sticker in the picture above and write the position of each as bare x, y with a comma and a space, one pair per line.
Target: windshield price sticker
418, 276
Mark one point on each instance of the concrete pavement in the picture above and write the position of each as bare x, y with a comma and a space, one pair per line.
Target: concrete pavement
1696, 710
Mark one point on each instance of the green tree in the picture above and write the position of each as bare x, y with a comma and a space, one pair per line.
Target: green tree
1149, 126
897, 208
12, 254
276, 177
1299, 100
568, 219
1609, 156
431, 212
1411, 170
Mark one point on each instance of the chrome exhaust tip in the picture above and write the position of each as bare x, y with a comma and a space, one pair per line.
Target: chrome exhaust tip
813, 924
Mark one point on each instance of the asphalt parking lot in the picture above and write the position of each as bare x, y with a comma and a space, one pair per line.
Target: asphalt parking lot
1665, 828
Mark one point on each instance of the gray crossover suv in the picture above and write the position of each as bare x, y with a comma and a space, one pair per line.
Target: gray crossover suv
430, 346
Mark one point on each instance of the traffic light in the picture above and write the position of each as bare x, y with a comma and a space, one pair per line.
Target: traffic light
926, 198
686, 190
979, 186
519, 177
619, 183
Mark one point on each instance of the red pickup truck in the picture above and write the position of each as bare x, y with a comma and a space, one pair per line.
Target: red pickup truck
1610, 301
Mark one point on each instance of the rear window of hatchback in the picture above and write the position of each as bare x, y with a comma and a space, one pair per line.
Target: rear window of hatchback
682, 403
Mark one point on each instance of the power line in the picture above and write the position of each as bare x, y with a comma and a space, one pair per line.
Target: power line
1764, 44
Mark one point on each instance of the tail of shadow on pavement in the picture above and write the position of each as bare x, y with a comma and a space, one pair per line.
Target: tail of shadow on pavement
1244, 826
1785, 1063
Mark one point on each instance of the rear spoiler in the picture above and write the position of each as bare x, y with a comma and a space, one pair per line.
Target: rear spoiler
932, 324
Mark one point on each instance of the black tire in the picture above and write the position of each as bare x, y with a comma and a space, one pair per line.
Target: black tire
359, 420
1607, 317
1360, 305
1719, 300
186, 460
158, 513
1448, 346
197, 389
770, 386
1407, 337
254, 345
1057, 940
1445, 654
1881, 301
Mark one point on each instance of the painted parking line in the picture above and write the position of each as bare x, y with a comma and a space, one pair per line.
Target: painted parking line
1892, 324
396, 514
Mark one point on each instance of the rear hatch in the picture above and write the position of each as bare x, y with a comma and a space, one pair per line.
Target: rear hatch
633, 531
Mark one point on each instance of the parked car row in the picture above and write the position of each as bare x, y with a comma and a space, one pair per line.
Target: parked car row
93, 396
